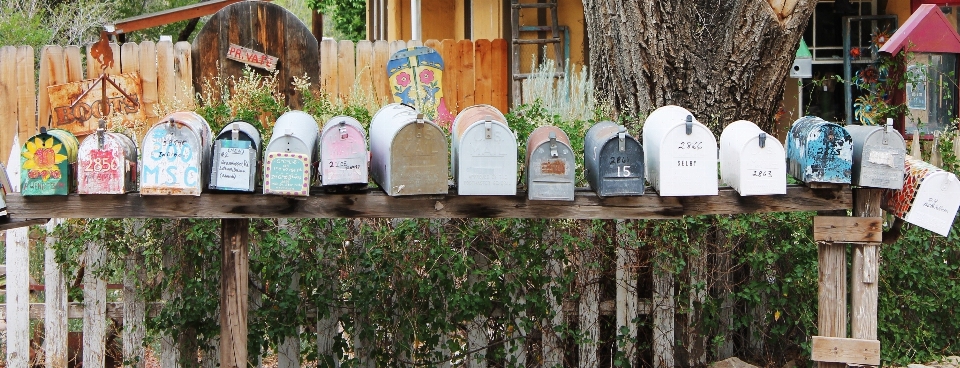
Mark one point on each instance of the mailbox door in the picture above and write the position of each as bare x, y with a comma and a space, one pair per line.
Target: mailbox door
286, 174
688, 162
621, 172
487, 160
930, 197
45, 163
102, 170
878, 157
344, 155
173, 161
549, 177
418, 161
234, 165
762, 170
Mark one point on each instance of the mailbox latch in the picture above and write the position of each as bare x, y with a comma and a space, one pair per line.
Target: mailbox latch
419, 125
100, 130
887, 129
488, 128
622, 136
343, 130
553, 145
235, 132
763, 139
689, 124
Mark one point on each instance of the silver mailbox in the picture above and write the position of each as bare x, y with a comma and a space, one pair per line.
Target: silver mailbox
551, 167
408, 152
483, 153
878, 156
289, 157
176, 155
236, 154
819, 152
613, 161
681, 153
344, 157
751, 161
107, 163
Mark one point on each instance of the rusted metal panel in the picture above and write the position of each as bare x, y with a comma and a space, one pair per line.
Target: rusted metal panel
107, 164
929, 198
613, 161
236, 153
344, 158
483, 153
47, 163
79, 111
408, 152
681, 153
878, 156
176, 156
289, 157
752, 161
819, 152
551, 167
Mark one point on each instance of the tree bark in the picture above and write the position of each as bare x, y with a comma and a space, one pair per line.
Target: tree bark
723, 60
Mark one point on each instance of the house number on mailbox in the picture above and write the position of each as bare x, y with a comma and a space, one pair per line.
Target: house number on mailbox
687, 163
691, 145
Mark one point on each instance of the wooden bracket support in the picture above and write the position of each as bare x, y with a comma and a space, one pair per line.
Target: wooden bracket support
843, 229
843, 350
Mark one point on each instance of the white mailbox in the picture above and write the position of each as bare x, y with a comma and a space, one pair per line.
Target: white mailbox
289, 156
681, 153
484, 153
751, 161
344, 157
930, 197
176, 155
878, 154
408, 152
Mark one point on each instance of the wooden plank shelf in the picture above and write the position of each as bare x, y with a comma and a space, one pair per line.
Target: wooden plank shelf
376, 204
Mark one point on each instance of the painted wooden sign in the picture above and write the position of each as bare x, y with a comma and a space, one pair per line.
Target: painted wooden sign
752, 161
83, 117
176, 156
252, 57
819, 152
408, 152
930, 197
613, 161
47, 163
681, 153
236, 153
289, 157
107, 164
344, 158
416, 79
551, 168
878, 154
483, 152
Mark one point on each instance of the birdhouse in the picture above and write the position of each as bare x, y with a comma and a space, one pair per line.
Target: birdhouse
47, 161
484, 152
613, 161
878, 154
681, 153
107, 163
803, 62
751, 161
344, 158
929, 197
176, 155
236, 153
550, 165
408, 152
290, 154
819, 152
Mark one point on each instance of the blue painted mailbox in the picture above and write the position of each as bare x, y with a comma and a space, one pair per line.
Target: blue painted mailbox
47, 163
289, 157
751, 161
483, 152
681, 153
176, 155
551, 167
344, 158
819, 152
613, 161
236, 154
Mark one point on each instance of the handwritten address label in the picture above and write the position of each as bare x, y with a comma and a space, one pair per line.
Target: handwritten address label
252, 57
234, 168
287, 173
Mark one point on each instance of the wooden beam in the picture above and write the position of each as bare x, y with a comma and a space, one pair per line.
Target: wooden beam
7, 224
848, 351
75, 310
234, 292
376, 204
848, 229
172, 15
832, 294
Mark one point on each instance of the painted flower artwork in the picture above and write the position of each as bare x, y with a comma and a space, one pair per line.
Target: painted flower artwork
41, 158
403, 79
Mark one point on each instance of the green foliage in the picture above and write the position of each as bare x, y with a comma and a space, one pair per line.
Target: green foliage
17, 28
349, 16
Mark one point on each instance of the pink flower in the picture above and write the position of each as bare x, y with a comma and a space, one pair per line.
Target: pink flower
426, 76
403, 79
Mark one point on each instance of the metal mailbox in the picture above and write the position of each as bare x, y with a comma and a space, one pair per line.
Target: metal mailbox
681, 153
4, 187
289, 156
344, 157
878, 154
107, 164
47, 161
929, 197
176, 155
550, 165
752, 161
408, 152
236, 153
613, 160
819, 152
483, 152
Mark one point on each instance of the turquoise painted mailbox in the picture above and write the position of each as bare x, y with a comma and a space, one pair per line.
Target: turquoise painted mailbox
819, 152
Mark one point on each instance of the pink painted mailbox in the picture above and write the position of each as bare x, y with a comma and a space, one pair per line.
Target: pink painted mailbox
176, 155
107, 164
929, 198
344, 157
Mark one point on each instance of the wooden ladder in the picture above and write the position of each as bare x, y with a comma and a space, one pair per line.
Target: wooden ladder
515, 7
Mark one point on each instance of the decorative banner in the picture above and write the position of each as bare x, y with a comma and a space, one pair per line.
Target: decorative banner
252, 57
82, 118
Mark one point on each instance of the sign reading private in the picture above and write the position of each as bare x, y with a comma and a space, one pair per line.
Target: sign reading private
82, 118
253, 58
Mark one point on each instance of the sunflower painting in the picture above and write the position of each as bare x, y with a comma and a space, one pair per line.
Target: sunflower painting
45, 166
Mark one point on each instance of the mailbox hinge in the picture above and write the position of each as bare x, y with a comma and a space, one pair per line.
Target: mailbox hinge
553, 145
235, 132
100, 130
689, 124
419, 125
763, 139
488, 127
343, 130
887, 129
622, 136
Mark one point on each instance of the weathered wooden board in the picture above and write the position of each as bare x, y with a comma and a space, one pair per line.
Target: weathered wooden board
8, 98
75, 310
466, 81
451, 88
264, 27
27, 91
376, 204
499, 76
845, 229
484, 65
328, 68
381, 54
82, 118
844, 350
346, 69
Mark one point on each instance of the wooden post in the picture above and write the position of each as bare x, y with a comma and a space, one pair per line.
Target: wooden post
134, 311
328, 320
233, 292
18, 298
663, 311
865, 277
589, 276
831, 310
55, 298
552, 344
94, 306
627, 298
288, 353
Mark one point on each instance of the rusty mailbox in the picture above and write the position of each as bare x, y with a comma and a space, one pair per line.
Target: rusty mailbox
236, 153
344, 157
551, 168
47, 163
929, 198
483, 152
176, 155
878, 154
289, 157
613, 161
752, 161
107, 163
819, 152
408, 152
681, 153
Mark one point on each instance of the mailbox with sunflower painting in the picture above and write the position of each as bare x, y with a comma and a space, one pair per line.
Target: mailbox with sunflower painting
46, 161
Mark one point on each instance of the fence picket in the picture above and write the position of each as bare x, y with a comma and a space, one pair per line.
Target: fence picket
94, 306
414, 43
346, 69
114, 67
55, 298
183, 74
93, 65
8, 96
499, 76
129, 58
397, 45
588, 277
484, 64
466, 81
134, 306
148, 79
74, 63
434, 44
381, 82
166, 80
26, 92
627, 298
53, 70
365, 73
451, 73
328, 68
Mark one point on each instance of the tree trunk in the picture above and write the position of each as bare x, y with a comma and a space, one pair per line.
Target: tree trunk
722, 60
